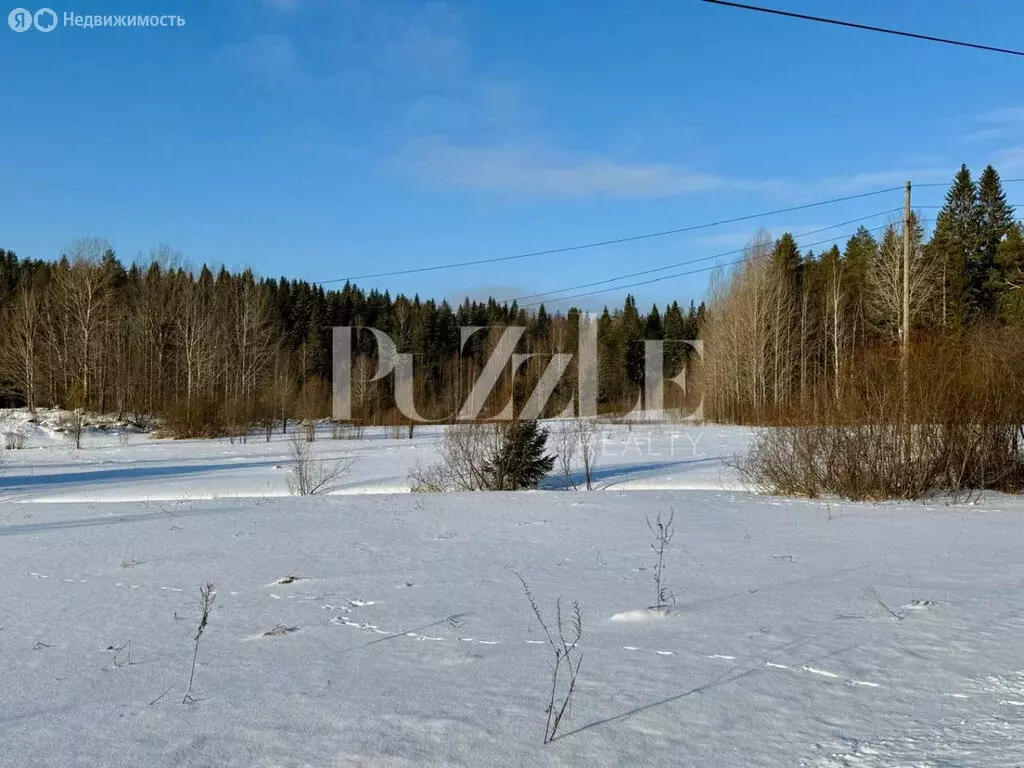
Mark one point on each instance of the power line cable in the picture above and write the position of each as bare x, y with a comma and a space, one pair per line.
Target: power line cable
616, 241
632, 238
947, 184
686, 261
867, 27
692, 271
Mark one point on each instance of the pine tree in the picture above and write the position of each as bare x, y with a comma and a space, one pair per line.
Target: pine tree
520, 462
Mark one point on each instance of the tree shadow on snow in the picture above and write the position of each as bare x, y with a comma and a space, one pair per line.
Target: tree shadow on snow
124, 474
603, 478
728, 676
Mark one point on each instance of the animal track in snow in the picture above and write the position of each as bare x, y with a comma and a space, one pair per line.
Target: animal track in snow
822, 673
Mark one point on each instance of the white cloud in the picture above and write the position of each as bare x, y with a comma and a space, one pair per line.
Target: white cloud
540, 172
1010, 160
984, 134
1002, 116
543, 173
852, 184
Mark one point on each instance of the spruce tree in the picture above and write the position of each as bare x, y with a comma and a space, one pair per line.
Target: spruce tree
1010, 267
956, 244
995, 222
520, 461
786, 254
675, 334
633, 338
860, 251
654, 330
543, 324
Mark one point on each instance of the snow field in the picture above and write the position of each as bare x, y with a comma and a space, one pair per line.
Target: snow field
377, 628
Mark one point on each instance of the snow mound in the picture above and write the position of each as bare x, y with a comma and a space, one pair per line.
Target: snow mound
642, 614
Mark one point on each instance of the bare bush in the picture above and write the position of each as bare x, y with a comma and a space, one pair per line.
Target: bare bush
310, 475
346, 430
199, 417
207, 595
71, 425
14, 440
567, 445
959, 432
566, 659
588, 440
464, 451
662, 531
491, 456
873, 594
576, 443
884, 461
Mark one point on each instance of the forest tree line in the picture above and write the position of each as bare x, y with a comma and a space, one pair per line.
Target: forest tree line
784, 332
791, 335
215, 351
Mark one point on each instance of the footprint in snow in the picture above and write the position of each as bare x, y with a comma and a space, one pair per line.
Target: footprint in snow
280, 630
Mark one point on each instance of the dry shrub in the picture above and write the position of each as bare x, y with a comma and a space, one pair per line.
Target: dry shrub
311, 475
72, 425
959, 430
346, 430
487, 456
464, 451
203, 418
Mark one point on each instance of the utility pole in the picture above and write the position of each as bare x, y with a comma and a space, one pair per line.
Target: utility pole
906, 275
905, 349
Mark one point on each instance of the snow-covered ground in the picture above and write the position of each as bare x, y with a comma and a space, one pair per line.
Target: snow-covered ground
49, 469
379, 627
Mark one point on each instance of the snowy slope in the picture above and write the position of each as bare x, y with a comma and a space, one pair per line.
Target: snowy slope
406, 640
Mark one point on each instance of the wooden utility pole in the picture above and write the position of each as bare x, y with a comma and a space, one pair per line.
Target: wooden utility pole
906, 275
905, 348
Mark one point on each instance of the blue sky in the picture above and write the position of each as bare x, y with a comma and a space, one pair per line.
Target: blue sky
321, 139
